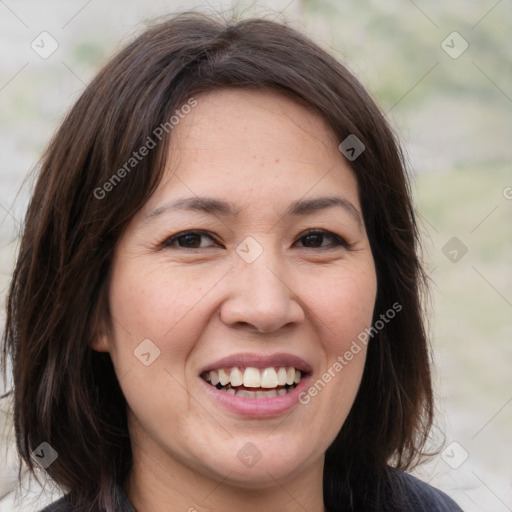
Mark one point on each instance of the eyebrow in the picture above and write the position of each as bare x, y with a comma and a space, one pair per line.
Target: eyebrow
213, 206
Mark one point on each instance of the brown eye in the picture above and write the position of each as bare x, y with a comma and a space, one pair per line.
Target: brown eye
187, 240
315, 239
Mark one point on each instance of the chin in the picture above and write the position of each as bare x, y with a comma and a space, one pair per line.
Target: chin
258, 463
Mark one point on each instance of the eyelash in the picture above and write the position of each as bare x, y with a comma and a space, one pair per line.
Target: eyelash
338, 241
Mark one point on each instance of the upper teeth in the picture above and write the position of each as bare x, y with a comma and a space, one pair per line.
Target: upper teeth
251, 377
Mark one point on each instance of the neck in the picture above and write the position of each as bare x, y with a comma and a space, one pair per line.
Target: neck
158, 486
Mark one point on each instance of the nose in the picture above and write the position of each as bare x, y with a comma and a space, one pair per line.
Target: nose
260, 297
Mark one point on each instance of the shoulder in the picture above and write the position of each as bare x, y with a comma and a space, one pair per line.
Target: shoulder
414, 494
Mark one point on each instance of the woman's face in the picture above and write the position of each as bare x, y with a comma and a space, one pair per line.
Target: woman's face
220, 276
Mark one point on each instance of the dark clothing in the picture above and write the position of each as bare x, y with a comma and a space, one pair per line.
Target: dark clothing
416, 496
419, 496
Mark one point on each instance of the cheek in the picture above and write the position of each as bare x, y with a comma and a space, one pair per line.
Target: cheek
158, 303
344, 306
154, 312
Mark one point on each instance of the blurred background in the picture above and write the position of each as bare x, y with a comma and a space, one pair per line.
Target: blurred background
441, 71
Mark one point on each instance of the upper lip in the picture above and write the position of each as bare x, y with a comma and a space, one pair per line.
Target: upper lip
259, 361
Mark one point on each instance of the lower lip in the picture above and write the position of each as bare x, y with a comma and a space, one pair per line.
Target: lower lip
258, 407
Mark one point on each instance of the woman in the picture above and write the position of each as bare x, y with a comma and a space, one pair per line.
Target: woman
216, 304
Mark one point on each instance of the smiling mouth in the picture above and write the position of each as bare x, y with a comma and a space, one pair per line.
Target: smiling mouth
251, 382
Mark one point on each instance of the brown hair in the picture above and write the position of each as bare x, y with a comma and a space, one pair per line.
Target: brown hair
65, 393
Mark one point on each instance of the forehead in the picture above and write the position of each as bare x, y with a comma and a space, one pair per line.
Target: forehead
261, 123
260, 145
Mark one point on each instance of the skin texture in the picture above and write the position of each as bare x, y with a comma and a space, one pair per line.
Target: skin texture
309, 297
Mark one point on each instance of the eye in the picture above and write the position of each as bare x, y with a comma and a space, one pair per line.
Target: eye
187, 240
312, 239
315, 238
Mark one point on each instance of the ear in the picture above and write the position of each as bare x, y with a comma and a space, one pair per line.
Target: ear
101, 322
101, 343
101, 331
